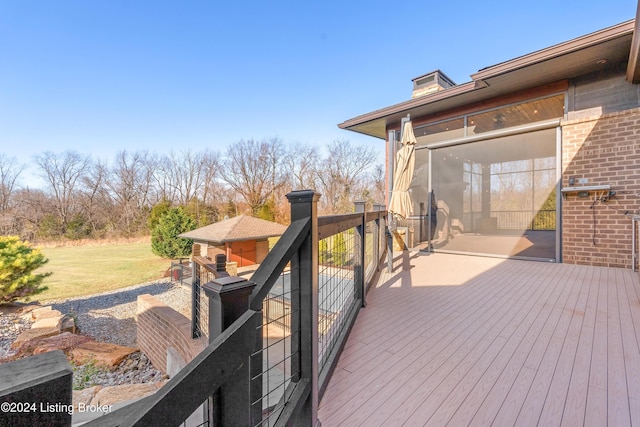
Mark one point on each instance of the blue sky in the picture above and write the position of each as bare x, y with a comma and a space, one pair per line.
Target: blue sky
102, 76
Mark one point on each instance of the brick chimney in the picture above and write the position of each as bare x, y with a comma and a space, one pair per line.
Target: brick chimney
431, 82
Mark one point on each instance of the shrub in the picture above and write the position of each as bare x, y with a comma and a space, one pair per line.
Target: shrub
164, 238
78, 228
18, 260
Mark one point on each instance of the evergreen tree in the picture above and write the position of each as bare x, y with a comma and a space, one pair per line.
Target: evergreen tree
157, 211
267, 211
18, 260
323, 251
339, 251
164, 238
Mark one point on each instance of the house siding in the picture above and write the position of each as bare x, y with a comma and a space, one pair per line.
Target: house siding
603, 93
213, 250
604, 149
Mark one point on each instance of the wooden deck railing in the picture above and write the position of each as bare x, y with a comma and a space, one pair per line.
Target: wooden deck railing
236, 374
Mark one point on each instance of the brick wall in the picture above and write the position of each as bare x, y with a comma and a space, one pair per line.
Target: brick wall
605, 149
161, 327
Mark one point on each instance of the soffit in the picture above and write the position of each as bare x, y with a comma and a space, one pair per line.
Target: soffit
564, 61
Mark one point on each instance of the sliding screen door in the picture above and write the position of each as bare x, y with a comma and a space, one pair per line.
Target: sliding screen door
498, 196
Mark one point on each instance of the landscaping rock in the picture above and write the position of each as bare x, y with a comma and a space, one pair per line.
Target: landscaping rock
26, 308
122, 393
48, 322
27, 314
105, 354
134, 369
32, 335
85, 396
65, 342
68, 325
45, 313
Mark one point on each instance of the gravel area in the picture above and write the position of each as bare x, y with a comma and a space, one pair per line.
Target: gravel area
135, 369
107, 317
11, 325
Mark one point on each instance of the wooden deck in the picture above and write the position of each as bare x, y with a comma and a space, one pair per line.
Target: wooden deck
458, 340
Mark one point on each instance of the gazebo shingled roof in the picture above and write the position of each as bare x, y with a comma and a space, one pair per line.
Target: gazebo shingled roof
235, 229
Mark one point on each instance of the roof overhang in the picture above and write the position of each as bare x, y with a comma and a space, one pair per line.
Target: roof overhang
633, 67
218, 242
567, 60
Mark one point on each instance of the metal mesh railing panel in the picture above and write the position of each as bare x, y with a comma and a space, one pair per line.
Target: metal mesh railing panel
277, 354
200, 302
336, 289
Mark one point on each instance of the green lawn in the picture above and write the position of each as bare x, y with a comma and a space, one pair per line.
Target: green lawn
86, 270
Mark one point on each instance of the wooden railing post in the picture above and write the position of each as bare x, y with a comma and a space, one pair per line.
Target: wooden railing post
36, 391
228, 300
358, 254
304, 291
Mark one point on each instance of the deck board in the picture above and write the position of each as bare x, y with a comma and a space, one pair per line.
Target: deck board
459, 340
575, 403
461, 405
499, 377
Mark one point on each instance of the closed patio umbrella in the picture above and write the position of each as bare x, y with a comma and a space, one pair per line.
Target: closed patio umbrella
400, 203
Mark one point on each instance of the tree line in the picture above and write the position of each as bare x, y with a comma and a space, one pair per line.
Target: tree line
83, 197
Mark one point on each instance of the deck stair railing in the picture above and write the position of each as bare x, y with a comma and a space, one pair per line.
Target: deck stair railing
259, 370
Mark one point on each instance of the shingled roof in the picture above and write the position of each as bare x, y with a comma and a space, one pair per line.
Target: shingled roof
235, 229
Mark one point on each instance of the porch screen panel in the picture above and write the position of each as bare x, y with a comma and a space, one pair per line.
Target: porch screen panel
497, 197
419, 188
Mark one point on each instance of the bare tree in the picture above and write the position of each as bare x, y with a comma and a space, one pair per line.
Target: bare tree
32, 206
163, 179
63, 174
253, 170
214, 192
339, 174
129, 184
301, 161
9, 173
372, 187
188, 171
94, 198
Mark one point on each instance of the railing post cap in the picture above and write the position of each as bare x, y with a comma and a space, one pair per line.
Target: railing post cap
227, 284
301, 196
